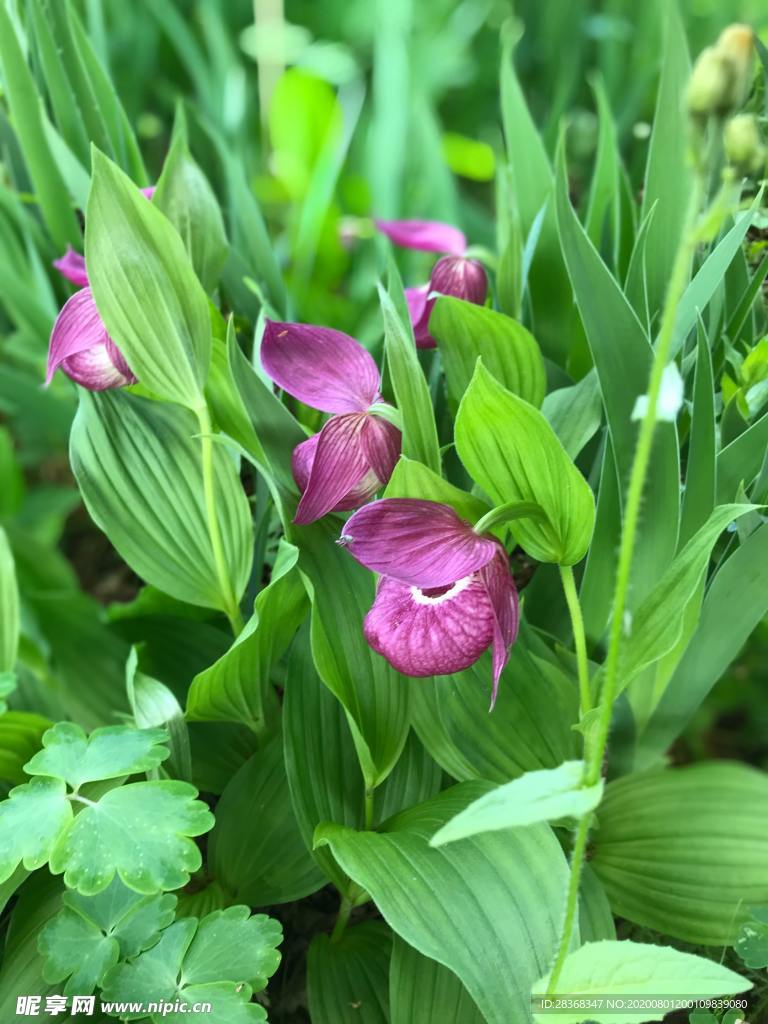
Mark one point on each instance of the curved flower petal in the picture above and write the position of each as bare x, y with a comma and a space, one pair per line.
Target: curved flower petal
460, 277
81, 346
502, 594
426, 235
72, 266
302, 461
422, 543
424, 633
149, 191
339, 465
381, 442
321, 367
419, 310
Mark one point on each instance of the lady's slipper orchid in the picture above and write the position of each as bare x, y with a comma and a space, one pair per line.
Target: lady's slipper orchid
445, 593
79, 341
455, 274
354, 454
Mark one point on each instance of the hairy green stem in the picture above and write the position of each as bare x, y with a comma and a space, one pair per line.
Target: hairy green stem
596, 752
579, 639
231, 607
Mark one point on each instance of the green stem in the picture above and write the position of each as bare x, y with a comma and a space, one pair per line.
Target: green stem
342, 920
579, 639
368, 808
231, 607
641, 461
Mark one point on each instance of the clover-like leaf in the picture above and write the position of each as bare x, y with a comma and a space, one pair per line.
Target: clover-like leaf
106, 754
221, 960
91, 933
752, 942
141, 832
31, 820
7, 686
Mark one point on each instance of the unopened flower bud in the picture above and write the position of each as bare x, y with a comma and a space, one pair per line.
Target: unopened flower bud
743, 146
459, 276
721, 75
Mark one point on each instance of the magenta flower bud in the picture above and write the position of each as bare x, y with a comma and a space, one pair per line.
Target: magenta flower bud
72, 266
354, 454
81, 347
445, 593
451, 275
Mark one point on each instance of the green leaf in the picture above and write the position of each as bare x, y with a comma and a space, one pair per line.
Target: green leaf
736, 601
108, 753
465, 331
683, 850
421, 989
319, 750
544, 795
145, 288
374, 695
575, 413
222, 959
139, 470
657, 624
667, 184
21, 733
28, 121
530, 727
752, 941
595, 917
185, 196
640, 970
514, 455
509, 901
155, 705
740, 461
256, 850
408, 383
622, 355
412, 479
9, 607
603, 215
141, 832
237, 688
348, 980
31, 820
7, 686
700, 473
91, 933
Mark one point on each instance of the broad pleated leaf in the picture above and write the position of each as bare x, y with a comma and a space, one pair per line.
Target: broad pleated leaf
139, 469
348, 980
421, 989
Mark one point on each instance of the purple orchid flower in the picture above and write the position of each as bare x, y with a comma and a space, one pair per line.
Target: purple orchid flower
79, 343
354, 454
445, 593
454, 274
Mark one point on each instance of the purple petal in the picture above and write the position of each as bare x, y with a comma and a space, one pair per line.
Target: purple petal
72, 266
460, 277
431, 632
502, 594
381, 443
338, 466
321, 367
82, 348
423, 543
302, 461
426, 235
149, 191
419, 310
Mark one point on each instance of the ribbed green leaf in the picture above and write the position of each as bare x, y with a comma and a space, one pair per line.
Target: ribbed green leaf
575, 413
511, 451
412, 479
138, 466
700, 471
423, 990
237, 688
9, 607
603, 216
507, 890
348, 980
255, 850
145, 288
633, 969
530, 727
740, 461
27, 114
683, 850
465, 331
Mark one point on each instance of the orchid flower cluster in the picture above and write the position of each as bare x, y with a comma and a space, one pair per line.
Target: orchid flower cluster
445, 594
